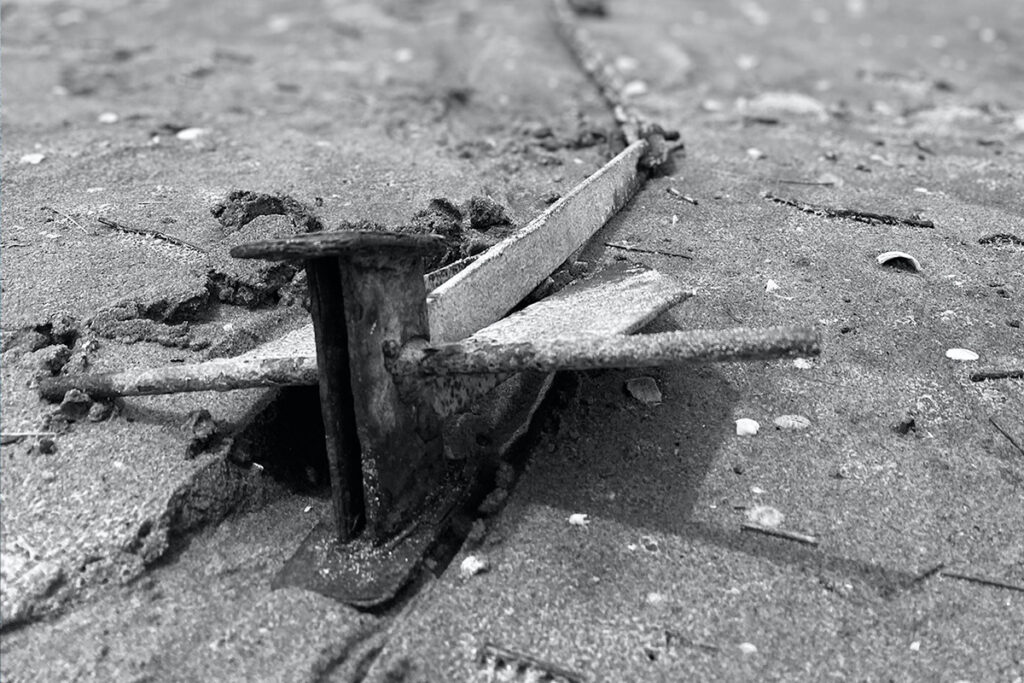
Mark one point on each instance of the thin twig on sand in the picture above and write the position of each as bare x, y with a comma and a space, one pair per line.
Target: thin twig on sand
150, 232
850, 214
67, 217
983, 581
780, 533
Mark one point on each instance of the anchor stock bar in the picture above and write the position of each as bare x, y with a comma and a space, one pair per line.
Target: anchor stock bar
620, 351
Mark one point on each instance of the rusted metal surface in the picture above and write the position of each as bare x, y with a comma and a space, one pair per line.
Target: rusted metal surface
399, 434
219, 375
287, 361
336, 405
619, 300
620, 351
504, 274
344, 244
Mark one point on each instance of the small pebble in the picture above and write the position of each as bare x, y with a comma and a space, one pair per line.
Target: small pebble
747, 62
645, 390
473, 565
579, 519
108, 117
757, 490
47, 446
771, 286
190, 133
76, 404
803, 363
748, 648
634, 89
32, 159
654, 599
755, 153
746, 427
48, 476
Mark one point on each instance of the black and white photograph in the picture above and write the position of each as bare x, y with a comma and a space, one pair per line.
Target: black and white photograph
567, 341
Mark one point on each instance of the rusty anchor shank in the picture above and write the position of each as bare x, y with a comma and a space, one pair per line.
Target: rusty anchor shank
385, 450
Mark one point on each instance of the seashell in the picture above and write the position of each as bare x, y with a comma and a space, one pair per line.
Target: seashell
794, 422
190, 133
961, 354
765, 516
899, 259
32, 159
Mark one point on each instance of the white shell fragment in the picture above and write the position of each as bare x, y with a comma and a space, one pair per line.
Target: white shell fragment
803, 363
644, 389
765, 516
748, 648
579, 519
961, 354
473, 565
32, 159
190, 133
771, 286
899, 259
793, 422
108, 117
746, 427
634, 89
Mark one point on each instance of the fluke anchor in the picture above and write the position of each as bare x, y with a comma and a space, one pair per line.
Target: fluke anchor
387, 394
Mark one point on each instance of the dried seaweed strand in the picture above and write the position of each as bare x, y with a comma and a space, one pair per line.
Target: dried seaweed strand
150, 232
642, 250
983, 581
868, 217
1015, 439
997, 373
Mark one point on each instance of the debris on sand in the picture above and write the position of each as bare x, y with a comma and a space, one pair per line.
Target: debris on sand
76, 404
485, 213
443, 218
241, 207
645, 390
1002, 239
592, 8
202, 431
